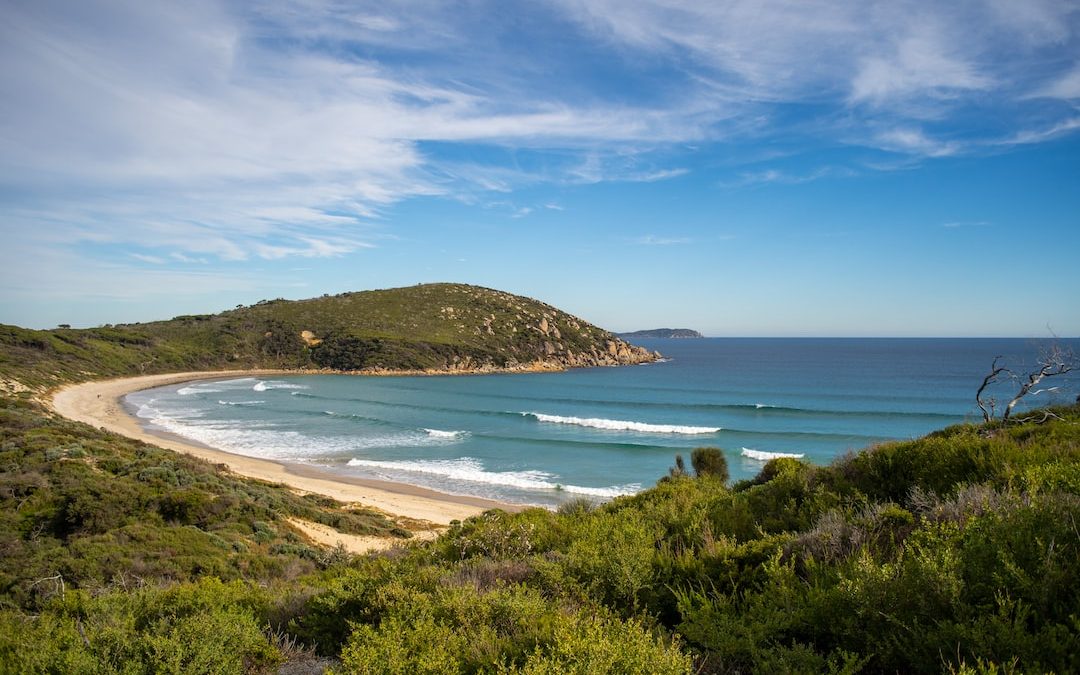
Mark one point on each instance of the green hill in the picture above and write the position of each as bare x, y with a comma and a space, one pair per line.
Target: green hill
432, 327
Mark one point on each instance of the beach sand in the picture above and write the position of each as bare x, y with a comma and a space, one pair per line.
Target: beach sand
99, 404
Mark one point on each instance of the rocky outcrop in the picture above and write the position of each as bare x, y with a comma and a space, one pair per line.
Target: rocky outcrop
613, 352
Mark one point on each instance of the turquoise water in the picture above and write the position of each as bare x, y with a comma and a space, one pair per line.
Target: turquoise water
546, 438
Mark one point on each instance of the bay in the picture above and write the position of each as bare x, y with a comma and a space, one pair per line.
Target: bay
547, 438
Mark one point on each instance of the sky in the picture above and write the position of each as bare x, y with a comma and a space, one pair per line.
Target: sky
743, 168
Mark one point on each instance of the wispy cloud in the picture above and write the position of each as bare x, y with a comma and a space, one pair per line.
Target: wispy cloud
922, 63
875, 65
1030, 136
180, 257
914, 141
957, 224
1065, 87
230, 132
152, 259
777, 176
653, 240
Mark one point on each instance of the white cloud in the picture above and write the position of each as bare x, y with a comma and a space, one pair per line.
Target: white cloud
1029, 136
916, 142
653, 240
767, 176
152, 259
1066, 86
895, 63
217, 131
180, 257
922, 65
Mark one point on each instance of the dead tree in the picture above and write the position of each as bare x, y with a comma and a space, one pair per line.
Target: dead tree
989, 405
1053, 362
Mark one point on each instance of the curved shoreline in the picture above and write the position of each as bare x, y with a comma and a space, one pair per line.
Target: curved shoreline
100, 404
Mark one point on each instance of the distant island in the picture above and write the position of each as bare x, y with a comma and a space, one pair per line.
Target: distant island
662, 333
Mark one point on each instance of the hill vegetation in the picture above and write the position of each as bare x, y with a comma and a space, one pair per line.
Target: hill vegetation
958, 551
430, 327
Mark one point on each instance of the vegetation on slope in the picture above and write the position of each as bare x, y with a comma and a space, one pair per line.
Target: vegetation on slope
959, 551
442, 327
89, 509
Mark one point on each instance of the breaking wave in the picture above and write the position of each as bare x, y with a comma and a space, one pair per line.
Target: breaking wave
472, 470
762, 456
622, 425
264, 385
439, 433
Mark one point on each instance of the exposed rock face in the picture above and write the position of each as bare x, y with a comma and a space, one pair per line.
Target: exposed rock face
547, 338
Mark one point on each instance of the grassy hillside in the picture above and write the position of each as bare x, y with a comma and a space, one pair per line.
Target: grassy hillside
440, 327
95, 508
956, 552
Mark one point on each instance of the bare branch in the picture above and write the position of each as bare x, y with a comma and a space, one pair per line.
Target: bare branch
1052, 362
58, 580
1055, 361
988, 406
1046, 415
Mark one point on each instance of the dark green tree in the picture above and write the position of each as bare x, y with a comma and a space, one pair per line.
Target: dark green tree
709, 462
344, 352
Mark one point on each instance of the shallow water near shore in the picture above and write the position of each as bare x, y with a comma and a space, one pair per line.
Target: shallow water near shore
549, 437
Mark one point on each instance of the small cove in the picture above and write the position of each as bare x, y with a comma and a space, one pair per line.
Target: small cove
548, 437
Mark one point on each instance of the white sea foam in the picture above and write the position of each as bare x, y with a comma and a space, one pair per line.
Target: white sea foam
759, 406
199, 389
147, 411
472, 470
439, 433
255, 438
264, 385
762, 456
241, 402
214, 387
622, 425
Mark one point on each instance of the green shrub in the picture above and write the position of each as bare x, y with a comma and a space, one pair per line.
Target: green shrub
591, 645
709, 462
207, 627
450, 630
612, 555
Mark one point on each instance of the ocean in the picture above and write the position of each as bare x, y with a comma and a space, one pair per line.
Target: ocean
547, 438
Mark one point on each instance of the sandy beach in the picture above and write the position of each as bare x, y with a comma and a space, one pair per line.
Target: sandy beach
99, 404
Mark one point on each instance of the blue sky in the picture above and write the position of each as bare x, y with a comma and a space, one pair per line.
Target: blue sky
742, 168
